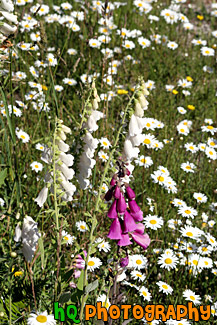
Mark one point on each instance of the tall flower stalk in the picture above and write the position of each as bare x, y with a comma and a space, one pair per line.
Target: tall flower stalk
94, 219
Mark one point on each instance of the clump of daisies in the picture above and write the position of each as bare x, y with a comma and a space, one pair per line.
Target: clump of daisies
89, 124
60, 172
162, 177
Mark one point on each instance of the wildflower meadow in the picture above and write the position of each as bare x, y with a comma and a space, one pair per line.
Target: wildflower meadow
108, 162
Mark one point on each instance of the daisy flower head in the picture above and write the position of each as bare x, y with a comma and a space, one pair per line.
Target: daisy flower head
81, 226
143, 291
41, 317
136, 275
181, 110
191, 147
69, 81
182, 129
128, 44
103, 245
93, 263
188, 167
201, 198
164, 287
144, 161
105, 143
137, 261
167, 261
154, 222
189, 295
36, 166
191, 232
58, 88
72, 51
94, 43
103, 299
52, 61
207, 51
187, 212
212, 143
172, 45
144, 42
148, 140
159, 177
22, 135
177, 202
102, 155
211, 153
68, 239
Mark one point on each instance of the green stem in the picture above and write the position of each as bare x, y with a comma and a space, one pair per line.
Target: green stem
56, 206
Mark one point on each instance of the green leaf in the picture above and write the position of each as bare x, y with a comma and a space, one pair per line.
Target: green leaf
91, 286
3, 175
80, 284
68, 275
41, 248
65, 297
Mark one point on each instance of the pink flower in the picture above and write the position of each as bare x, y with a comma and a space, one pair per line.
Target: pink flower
130, 193
121, 205
112, 212
115, 230
129, 223
138, 236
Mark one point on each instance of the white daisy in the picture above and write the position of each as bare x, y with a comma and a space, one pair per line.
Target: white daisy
39, 318
164, 287
154, 222
81, 226
36, 166
93, 263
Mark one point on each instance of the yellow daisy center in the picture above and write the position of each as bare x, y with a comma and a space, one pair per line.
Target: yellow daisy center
138, 262
91, 263
41, 319
187, 211
168, 260
189, 233
82, 227
164, 286
192, 297
160, 178
153, 222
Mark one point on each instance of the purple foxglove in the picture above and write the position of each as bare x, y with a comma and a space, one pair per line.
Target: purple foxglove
117, 192
130, 193
113, 181
124, 261
109, 194
112, 213
121, 205
133, 206
142, 240
129, 223
140, 228
115, 230
138, 216
125, 240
